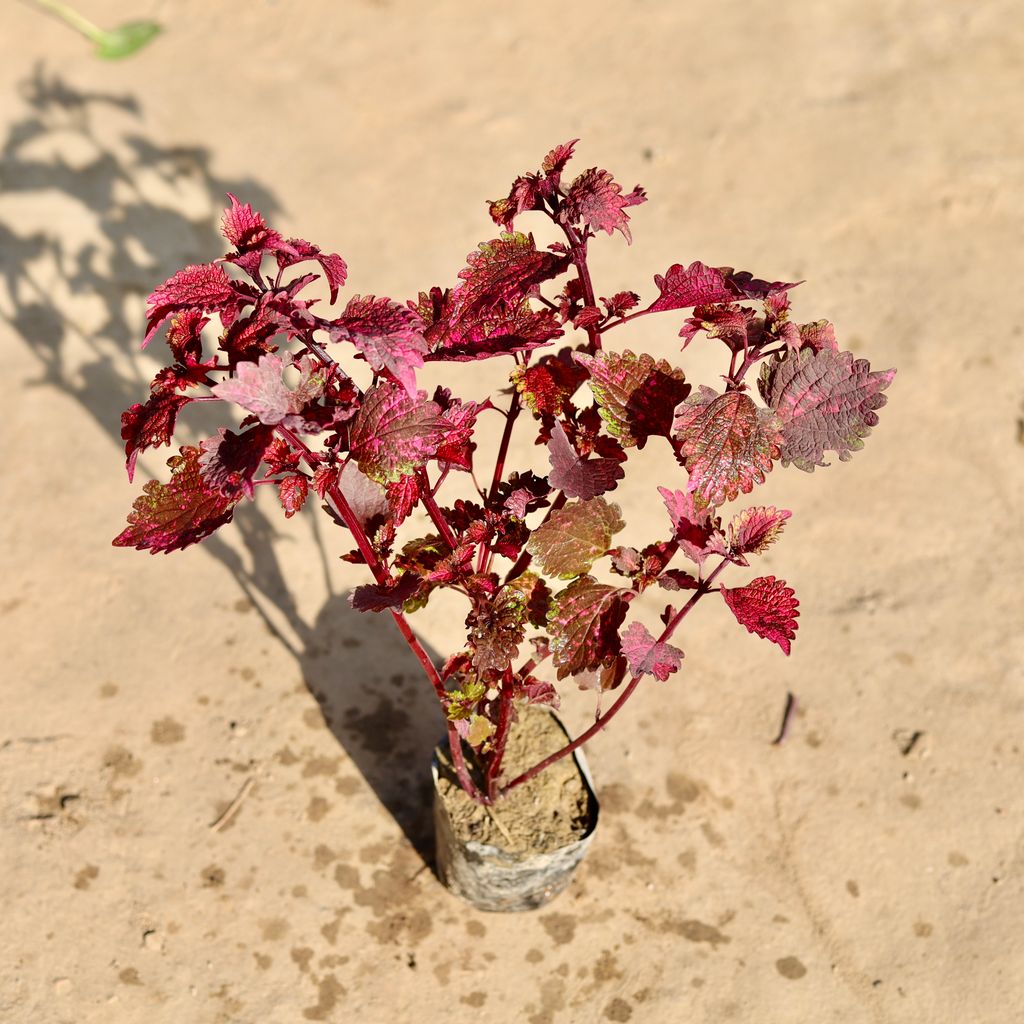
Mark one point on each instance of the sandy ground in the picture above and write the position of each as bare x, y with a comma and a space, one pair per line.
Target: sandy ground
873, 147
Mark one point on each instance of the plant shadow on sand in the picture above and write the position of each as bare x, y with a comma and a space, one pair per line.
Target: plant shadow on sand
74, 295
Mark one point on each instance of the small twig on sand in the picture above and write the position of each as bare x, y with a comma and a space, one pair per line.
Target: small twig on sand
501, 828
232, 808
787, 716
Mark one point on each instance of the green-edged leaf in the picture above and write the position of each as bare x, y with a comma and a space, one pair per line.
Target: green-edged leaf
570, 541
583, 623
826, 401
727, 443
126, 39
636, 394
754, 530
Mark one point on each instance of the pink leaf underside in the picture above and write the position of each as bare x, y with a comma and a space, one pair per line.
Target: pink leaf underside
380, 597
693, 528
539, 691
260, 388
229, 461
826, 400
727, 443
367, 499
579, 478
647, 656
767, 607
205, 287
389, 336
754, 530
149, 425
583, 625
394, 433
575, 536
244, 228
636, 395
695, 285
596, 200
169, 517
334, 267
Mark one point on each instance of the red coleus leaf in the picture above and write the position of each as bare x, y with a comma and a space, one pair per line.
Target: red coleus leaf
547, 385
149, 425
181, 377
184, 336
279, 456
727, 444
393, 433
818, 336
247, 231
248, 337
579, 478
621, 303
379, 597
539, 692
228, 461
402, 495
637, 395
767, 607
695, 285
554, 163
596, 200
292, 490
737, 326
389, 337
297, 250
367, 499
459, 418
745, 286
260, 388
204, 288
647, 656
754, 530
169, 517
826, 401
584, 625
456, 335
694, 529
496, 628
574, 536
504, 271
529, 190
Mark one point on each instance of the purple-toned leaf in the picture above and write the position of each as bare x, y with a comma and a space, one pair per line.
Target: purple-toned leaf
693, 527
767, 607
367, 499
228, 461
260, 388
246, 229
169, 517
459, 419
737, 326
818, 336
647, 656
539, 692
575, 536
503, 271
394, 434
579, 478
584, 626
249, 337
150, 425
826, 401
727, 443
676, 579
389, 337
695, 285
637, 395
745, 286
333, 266
596, 200
496, 629
205, 288
554, 163
754, 530
621, 303
376, 597
402, 495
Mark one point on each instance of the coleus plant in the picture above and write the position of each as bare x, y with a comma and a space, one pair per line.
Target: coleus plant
532, 553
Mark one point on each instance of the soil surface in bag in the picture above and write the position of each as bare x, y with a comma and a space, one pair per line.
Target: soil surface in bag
540, 816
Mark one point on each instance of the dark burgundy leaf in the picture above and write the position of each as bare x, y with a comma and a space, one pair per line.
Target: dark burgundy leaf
767, 607
150, 425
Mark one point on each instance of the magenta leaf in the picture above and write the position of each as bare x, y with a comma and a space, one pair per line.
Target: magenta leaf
228, 461
637, 395
693, 527
754, 530
297, 250
169, 517
596, 200
826, 401
767, 607
647, 656
459, 419
380, 597
621, 303
149, 425
695, 285
584, 626
745, 286
292, 490
578, 477
367, 499
727, 444
205, 288
554, 163
260, 388
818, 336
247, 231
540, 692
393, 433
503, 271
184, 336
575, 536
547, 385
389, 337
248, 337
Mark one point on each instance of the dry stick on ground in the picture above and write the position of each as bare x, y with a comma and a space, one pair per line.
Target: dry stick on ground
232, 808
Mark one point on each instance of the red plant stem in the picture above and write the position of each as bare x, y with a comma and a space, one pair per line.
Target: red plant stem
500, 736
469, 787
626, 319
604, 719
579, 258
484, 558
436, 516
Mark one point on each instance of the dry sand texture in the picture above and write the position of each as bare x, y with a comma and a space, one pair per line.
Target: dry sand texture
873, 147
